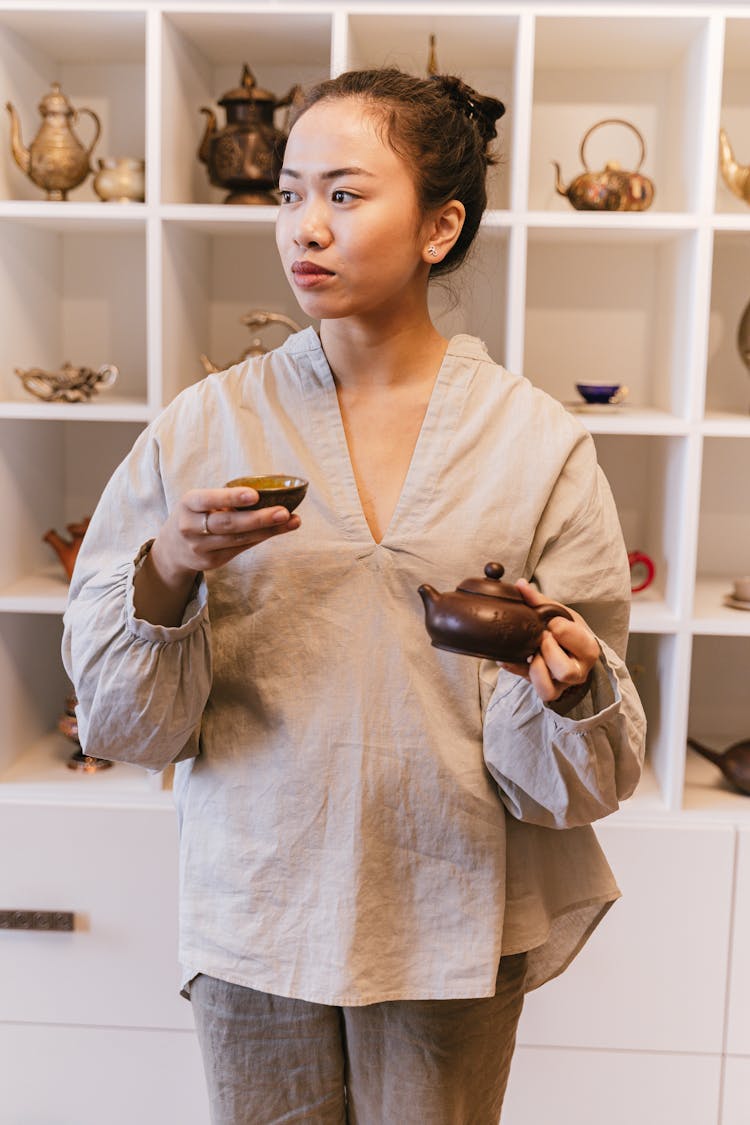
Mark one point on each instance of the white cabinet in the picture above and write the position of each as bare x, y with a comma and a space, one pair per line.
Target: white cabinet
566, 1086
650, 299
116, 871
738, 1023
654, 974
56, 1075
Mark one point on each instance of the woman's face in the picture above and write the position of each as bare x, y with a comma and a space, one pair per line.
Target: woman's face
349, 230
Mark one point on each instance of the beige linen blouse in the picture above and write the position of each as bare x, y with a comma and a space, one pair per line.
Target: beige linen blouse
364, 817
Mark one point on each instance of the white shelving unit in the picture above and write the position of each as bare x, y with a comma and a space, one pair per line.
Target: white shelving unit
650, 299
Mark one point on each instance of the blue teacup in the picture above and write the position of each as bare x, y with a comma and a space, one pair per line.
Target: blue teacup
602, 393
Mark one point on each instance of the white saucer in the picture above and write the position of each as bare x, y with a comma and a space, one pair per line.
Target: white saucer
735, 603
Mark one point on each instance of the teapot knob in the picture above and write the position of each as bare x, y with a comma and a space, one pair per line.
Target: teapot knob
494, 570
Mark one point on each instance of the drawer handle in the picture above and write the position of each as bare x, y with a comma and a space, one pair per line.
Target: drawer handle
52, 920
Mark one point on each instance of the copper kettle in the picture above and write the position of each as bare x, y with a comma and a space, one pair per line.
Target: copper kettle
612, 189
245, 156
487, 618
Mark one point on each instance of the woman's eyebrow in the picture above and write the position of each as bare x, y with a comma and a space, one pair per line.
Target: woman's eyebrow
334, 174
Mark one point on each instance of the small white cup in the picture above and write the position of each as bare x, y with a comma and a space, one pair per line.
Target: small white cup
741, 589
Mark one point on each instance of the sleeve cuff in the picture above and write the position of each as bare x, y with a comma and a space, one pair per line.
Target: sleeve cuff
196, 611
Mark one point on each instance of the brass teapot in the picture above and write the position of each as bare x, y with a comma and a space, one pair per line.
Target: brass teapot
55, 161
487, 618
612, 189
736, 176
255, 319
245, 156
69, 384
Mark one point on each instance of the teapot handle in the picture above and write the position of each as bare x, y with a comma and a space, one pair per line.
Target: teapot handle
613, 121
547, 612
98, 128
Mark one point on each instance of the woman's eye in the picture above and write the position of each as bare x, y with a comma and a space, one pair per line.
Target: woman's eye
287, 195
341, 196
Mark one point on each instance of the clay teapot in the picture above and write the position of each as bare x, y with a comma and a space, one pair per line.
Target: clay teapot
55, 160
67, 549
487, 618
245, 156
612, 189
734, 762
736, 176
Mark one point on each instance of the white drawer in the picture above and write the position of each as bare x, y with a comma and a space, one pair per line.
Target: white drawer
559, 1086
100, 1076
653, 976
116, 869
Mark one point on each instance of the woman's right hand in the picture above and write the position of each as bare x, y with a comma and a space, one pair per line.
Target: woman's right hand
204, 531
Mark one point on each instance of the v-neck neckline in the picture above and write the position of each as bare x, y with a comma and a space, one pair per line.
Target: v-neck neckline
428, 455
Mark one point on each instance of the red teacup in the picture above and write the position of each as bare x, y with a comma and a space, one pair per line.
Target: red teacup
642, 571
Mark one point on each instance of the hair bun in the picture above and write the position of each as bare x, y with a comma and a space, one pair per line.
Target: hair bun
482, 109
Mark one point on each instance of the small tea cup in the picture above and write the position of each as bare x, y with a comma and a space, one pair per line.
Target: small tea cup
602, 393
741, 589
273, 490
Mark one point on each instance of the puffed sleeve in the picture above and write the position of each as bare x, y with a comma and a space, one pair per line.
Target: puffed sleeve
564, 770
141, 688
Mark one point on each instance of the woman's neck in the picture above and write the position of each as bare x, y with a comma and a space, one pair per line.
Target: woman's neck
366, 356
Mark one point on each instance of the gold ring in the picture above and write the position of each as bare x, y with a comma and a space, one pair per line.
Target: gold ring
205, 529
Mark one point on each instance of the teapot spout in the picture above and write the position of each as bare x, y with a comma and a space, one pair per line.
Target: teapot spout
428, 594
21, 154
560, 187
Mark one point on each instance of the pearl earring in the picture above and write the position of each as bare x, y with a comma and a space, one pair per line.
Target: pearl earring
432, 251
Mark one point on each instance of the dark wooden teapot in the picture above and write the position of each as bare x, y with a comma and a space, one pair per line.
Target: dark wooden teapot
487, 618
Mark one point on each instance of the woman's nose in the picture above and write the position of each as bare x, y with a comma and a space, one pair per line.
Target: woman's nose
312, 228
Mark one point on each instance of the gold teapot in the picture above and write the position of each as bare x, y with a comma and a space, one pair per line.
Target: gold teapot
55, 161
612, 189
255, 319
245, 156
69, 384
736, 176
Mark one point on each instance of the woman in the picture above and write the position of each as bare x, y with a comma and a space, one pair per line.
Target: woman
383, 845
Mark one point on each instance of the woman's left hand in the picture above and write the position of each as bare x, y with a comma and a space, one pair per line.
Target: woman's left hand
566, 655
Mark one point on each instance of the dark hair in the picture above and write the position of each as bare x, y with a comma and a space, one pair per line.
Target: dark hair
439, 125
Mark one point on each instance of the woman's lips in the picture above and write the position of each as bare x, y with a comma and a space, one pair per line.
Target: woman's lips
308, 274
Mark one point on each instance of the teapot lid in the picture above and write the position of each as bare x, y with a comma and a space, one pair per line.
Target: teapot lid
491, 585
248, 91
55, 102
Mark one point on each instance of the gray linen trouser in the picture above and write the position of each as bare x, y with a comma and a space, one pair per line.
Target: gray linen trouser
270, 1060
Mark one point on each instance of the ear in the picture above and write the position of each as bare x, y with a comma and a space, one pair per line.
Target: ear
442, 231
